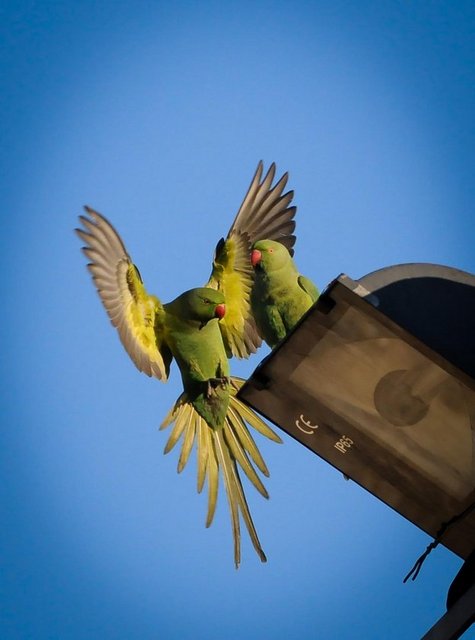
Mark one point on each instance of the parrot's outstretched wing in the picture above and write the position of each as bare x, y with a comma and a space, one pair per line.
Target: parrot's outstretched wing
264, 214
136, 314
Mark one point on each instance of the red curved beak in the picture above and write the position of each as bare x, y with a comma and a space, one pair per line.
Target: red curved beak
256, 256
219, 311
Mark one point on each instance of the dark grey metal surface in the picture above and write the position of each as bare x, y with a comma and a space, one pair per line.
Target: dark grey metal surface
433, 302
456, 621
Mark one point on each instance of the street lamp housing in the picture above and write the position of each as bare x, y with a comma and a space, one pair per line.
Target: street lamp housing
378, 379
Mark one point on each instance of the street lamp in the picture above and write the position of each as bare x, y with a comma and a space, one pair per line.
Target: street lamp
378, 378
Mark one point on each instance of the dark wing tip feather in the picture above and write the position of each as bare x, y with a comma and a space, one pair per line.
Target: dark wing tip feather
219, 248
263, 204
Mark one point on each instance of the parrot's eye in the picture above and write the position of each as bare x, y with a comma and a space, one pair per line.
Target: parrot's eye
270, 250
206, 301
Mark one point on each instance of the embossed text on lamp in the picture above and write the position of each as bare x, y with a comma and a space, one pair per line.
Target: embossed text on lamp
378, 379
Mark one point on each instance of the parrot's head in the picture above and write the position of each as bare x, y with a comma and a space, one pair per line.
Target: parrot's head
203, 304
268, 255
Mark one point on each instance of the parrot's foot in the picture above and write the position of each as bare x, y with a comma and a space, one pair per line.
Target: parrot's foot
213, 383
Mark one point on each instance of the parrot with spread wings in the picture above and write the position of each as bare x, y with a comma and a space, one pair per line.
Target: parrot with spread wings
200, 330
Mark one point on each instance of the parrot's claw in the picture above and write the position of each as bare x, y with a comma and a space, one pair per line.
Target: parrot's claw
213, 383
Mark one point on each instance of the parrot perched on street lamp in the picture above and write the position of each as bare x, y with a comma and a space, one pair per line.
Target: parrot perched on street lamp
280, 295
201, 329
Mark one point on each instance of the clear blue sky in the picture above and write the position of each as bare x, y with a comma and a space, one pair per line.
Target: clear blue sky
156, 114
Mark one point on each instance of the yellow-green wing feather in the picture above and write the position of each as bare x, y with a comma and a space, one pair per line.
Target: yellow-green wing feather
136, 314
232, 274
264, 214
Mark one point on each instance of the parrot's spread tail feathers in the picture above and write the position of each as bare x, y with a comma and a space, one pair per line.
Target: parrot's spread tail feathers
225, 449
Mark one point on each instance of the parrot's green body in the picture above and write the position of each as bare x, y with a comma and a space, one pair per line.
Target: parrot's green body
280, 295
192, 334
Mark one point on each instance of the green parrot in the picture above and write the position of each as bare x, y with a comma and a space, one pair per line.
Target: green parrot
280, 295
200, 329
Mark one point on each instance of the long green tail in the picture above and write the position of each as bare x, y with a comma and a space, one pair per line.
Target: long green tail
226, 449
